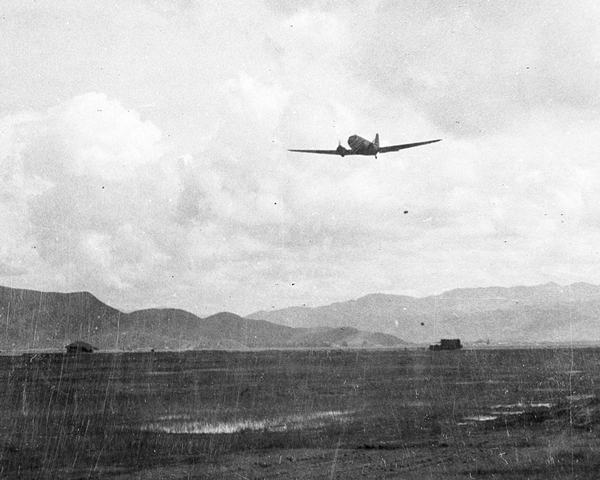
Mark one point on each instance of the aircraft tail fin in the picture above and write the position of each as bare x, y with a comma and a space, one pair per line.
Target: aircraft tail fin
376, 141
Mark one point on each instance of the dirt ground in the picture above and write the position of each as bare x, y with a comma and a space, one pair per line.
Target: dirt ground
537, 453
402, 414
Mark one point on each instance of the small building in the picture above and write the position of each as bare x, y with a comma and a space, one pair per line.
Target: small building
80, 347
447, 344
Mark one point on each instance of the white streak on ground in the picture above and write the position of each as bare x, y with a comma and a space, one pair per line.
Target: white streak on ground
186, 423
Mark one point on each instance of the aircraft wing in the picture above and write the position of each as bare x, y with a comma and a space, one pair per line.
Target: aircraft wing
395, 148
323, 152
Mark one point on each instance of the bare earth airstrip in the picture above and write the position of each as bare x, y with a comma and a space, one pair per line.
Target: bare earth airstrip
406, 414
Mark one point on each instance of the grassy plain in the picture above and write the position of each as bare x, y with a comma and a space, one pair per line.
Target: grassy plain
301, 414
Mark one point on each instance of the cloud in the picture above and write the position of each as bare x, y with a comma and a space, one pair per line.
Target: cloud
478, 68
91, 136
105, 217
86, 165
150, 165
10, 271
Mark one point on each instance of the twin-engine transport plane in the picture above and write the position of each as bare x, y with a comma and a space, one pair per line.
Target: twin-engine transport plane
360, 146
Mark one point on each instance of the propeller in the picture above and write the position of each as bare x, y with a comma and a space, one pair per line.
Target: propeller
341, 150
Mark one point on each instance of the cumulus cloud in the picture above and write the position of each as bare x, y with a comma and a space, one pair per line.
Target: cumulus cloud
86, 205
90, 136
173, 186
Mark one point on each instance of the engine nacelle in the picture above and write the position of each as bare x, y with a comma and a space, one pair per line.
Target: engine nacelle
341, 150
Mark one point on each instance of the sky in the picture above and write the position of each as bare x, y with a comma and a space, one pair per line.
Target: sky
143, 149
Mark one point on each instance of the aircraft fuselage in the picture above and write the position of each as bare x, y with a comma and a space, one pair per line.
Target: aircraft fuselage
361, 146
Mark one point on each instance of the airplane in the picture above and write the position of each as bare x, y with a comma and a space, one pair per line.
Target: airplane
361, 146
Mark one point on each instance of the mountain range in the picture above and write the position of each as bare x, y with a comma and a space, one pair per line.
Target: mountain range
544, 313
33, 320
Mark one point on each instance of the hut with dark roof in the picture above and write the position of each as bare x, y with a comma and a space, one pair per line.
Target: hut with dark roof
80, 347
447, 344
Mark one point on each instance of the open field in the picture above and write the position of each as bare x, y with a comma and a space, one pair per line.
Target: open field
407, 414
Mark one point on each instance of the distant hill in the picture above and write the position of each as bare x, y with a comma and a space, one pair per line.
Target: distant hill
48, 320
541, 313
32, 319
545, 313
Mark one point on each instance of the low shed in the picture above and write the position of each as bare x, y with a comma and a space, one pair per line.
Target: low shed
80, 347
447, 344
